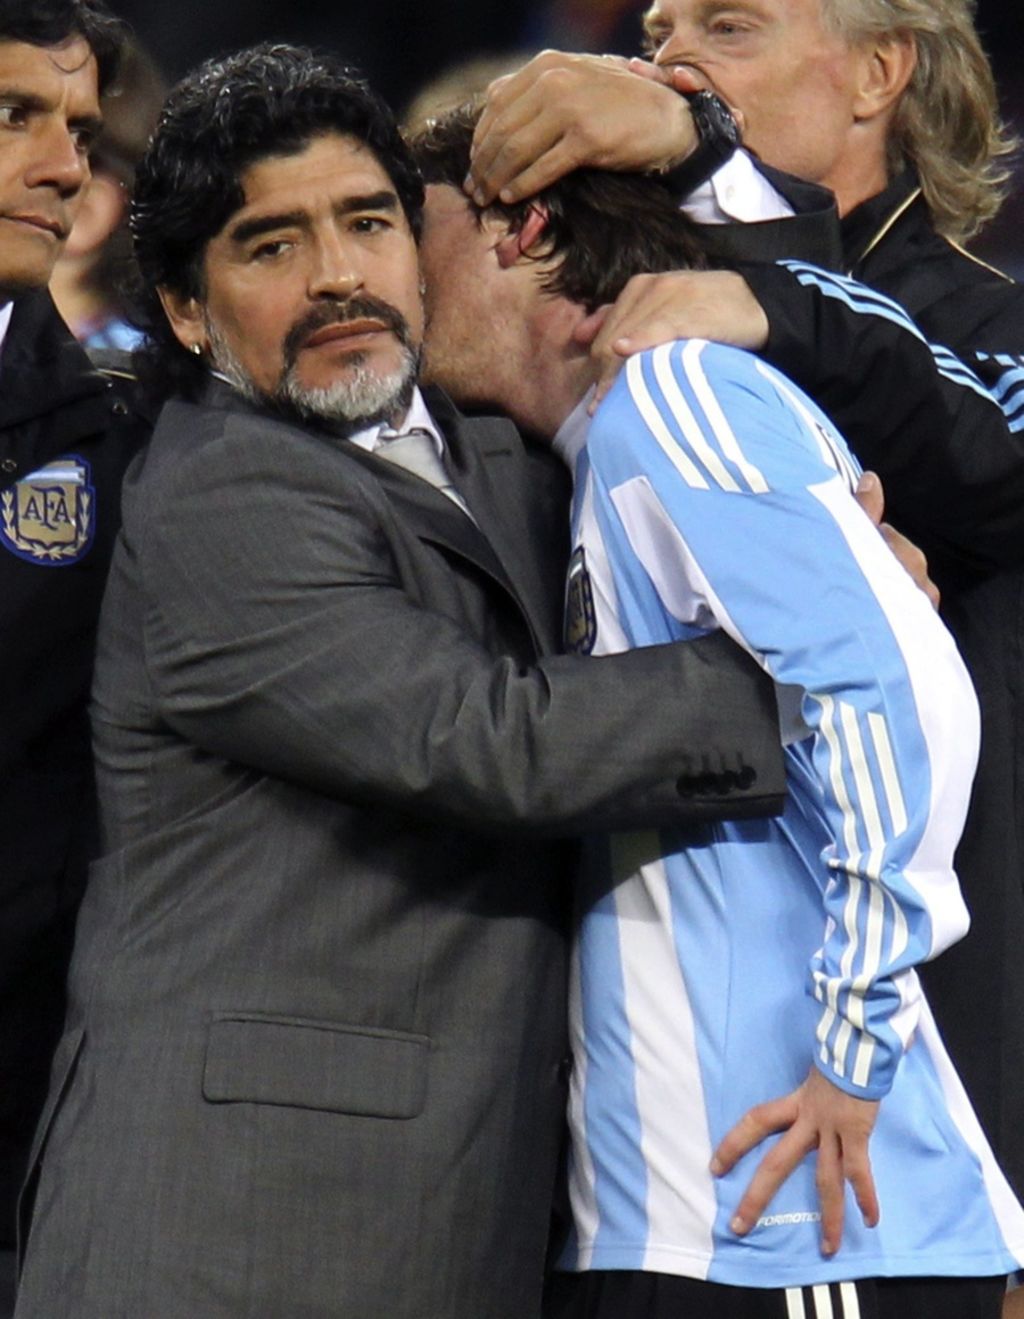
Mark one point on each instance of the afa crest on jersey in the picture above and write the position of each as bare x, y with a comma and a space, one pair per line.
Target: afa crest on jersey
580, 621
49, 516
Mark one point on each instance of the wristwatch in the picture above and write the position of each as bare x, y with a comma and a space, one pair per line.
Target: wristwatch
718, 136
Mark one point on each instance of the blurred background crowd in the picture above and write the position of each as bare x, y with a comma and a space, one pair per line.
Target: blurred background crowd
403, 45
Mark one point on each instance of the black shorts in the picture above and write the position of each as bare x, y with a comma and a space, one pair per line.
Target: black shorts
606, 1294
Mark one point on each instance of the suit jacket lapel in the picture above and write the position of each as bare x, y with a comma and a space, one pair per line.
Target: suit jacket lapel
492, 472
433, 515
499, 483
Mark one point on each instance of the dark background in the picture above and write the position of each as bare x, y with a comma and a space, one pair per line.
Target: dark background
402, 44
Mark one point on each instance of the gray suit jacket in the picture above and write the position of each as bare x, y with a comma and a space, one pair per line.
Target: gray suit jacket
314, 1059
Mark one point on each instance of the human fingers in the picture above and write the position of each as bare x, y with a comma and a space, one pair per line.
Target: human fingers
509, 137
774, 1169
614, 330
573, 111
913, 560
831, 1186
612, 346
524, 114
690, 304
588, 328
683, 79
870, 496
857, 1171
758, 1122
652, 72
657, 309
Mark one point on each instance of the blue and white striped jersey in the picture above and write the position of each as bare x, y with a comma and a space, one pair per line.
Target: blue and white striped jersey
713, 970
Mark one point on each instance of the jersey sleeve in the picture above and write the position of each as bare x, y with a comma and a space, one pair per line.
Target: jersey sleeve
945, 436
730, 492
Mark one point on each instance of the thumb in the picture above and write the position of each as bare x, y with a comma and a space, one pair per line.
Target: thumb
685, 80
590, 327
870, 496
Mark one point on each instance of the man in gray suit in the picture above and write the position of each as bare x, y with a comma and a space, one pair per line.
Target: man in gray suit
313, 1064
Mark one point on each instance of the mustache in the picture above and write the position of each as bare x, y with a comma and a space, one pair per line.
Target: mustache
339, 312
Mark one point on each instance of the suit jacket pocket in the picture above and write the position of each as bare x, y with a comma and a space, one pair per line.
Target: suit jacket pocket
261, 1059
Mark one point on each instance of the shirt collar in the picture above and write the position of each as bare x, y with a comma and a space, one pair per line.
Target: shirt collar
572, 434
417, 418
865, 222
736, 191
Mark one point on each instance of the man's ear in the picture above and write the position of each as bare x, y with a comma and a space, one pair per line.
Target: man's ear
888, 65
186, 318
519, 244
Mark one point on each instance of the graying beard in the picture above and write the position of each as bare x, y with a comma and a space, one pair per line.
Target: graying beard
364, 399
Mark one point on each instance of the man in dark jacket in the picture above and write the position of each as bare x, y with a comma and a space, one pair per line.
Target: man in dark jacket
66, 434
891, 105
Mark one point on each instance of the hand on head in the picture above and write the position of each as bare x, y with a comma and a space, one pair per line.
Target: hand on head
560, 112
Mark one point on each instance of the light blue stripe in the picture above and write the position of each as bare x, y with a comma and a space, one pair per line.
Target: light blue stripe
867, 302
1006, 382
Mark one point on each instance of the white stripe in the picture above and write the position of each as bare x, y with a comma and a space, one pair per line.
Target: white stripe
851, 924
828, 1021
872, 945
688, 423
835, 772
841, 1047
887, 766
795, 1303
822, 1303
658, 545
652, 419
1001, 1198
724, 434
850, 836
53, 475
946, 709
862, 777
663, 1043
850, 1299
610, 637
900, 935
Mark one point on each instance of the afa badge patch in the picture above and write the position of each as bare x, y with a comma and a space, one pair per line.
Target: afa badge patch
580, 620
49, 516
